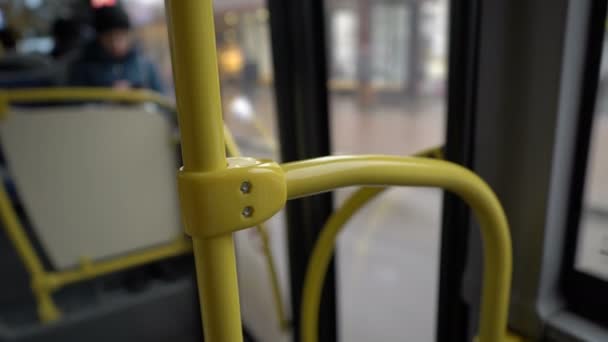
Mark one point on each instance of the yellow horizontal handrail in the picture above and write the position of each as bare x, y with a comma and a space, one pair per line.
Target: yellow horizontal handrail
92, 269
324, 174
85, 94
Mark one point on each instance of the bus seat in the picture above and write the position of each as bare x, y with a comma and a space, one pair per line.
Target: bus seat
96, 181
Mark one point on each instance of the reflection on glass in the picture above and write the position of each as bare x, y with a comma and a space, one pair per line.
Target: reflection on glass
387, 67
592, 249
244, 61
244, 57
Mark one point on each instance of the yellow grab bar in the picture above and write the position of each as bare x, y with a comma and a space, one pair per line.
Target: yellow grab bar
324, 174
192, 33
84, 94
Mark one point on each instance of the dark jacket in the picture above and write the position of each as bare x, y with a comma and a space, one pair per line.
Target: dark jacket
96, 68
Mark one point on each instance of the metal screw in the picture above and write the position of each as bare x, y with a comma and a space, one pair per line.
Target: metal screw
245, 187
247, 211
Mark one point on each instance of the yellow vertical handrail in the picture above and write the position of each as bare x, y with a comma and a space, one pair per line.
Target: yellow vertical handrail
194, 59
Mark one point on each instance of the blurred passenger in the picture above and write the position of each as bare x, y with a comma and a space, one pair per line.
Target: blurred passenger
112, 58
67, 38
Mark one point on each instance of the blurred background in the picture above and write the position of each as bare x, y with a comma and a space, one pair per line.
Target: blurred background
387, 80
387, 60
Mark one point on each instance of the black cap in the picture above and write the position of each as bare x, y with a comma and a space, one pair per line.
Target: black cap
111, 18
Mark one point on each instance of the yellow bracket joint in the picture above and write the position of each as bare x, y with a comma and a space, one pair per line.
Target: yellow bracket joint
247, 193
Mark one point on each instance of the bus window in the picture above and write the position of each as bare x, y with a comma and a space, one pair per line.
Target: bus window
387, 72
586, 267
592, 249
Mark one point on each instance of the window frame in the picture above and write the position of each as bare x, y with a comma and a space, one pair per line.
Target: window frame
581, 289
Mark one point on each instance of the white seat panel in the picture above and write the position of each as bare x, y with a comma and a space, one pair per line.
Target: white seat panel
96, 181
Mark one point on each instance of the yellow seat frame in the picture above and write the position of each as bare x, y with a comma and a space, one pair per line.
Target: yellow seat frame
45, 282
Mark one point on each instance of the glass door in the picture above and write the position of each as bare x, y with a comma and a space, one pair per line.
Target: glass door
387, 95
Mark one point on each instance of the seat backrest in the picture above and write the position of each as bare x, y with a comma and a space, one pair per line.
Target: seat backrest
96, 181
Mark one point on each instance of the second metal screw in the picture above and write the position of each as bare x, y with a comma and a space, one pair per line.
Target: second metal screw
247, 211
